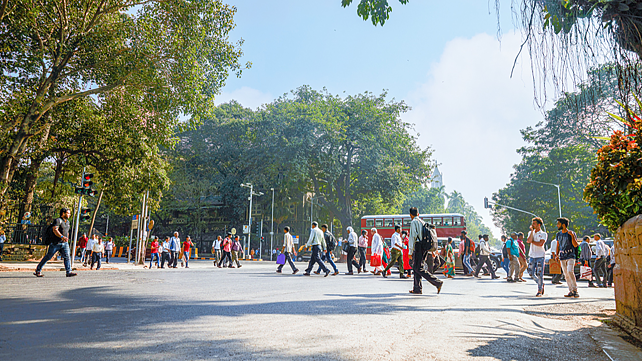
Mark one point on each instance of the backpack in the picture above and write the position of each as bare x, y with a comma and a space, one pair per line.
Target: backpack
472, 246
429, 237
49, 238
331, 243
477, 250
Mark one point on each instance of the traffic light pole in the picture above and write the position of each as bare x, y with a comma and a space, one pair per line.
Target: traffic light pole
487, 204
73, 250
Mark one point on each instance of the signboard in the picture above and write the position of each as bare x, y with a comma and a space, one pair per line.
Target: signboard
233, 231
296, 239
246, 229
135, 222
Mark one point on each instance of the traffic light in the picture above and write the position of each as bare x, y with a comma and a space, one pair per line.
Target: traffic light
86, 190
85, 214
486, 202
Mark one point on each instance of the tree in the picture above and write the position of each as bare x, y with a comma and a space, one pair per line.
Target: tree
427, 200
378, 10
350, 150
157, 58
474, 223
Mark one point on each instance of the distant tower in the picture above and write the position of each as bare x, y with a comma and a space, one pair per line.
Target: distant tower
436, 180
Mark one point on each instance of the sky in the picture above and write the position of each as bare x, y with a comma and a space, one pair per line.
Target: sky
446, 59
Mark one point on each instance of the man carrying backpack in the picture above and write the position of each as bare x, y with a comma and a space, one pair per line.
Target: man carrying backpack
331, 244
57, 238
419, 247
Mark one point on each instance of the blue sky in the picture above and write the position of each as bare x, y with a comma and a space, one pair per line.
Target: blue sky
443, 58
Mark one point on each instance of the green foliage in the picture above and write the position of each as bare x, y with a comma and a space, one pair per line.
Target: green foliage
615, 189
474, 223
427, 200
378, 10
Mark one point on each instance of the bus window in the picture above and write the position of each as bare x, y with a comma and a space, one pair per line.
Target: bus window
407, 221
390, 223
448, 221
428, 220
456, 221
436, 221
369, 223
398, 222
379, 223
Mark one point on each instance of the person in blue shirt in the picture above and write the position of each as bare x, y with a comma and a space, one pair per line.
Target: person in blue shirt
513, 255
3, 238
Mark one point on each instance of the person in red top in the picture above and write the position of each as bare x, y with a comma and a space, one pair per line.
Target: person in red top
186, 250
154, 253
406, 258
83, 247
227, 248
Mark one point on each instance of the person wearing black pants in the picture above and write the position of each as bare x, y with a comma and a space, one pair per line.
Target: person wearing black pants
352, 250
363, 247
420, 255
316, 243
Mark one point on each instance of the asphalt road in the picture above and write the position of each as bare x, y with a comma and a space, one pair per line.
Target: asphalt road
203, 313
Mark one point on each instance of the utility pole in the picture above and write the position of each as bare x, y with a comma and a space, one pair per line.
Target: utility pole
249, 221
272, 226
261, 239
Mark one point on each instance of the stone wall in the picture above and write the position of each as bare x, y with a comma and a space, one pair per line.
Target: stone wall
23, 252
627, 276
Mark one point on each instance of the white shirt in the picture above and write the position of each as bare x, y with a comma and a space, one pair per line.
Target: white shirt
316, 238
353, 241
601, 249
537, 251
165, 246
397, 242
217, 244
109, 245
484, 248
613, 254
288, 243
554, 246
377, 244
90, 244
97, 247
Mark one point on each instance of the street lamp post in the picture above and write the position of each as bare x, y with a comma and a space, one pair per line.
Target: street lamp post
559, 197
272, 226
249, 219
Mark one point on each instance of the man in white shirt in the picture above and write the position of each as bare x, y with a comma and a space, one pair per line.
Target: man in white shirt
109, 248
353, 243
90, 250
174, 247
484, 258
396, 253
216, 250
288, 251
165, 252
420, 254
537, 254
97, 250
316, 243
599, 267
556, 277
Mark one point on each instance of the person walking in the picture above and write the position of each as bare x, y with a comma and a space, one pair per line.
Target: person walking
376, 252
216, 250
610, 267
406, 254
567, 250
396, 254
97, 250
420, 253
227, 249
536, 253
449, 269
505, 259
353, 243
235, 249
513, 256
90, 247
363, 248
556, 277
57, 236
523, 263
288, 251
82, 244
154, 254
315, 243
601, 254
330, 244
468, 269
586, 255
187, 245
165, 252
174, 248
3, 238
109, 248
484, 258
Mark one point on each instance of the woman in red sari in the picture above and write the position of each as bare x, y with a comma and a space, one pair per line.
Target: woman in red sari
406, 258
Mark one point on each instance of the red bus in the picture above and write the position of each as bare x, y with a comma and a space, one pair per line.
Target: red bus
447, 225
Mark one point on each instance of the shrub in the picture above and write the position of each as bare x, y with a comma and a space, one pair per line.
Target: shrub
615, 187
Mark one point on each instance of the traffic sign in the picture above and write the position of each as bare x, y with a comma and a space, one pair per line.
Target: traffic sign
233, 231
246, 229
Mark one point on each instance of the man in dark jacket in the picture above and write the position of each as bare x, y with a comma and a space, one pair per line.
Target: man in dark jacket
330, 243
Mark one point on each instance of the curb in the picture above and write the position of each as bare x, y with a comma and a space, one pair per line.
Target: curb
613, 346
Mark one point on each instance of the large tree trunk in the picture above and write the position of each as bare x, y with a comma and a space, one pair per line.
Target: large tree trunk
30, 184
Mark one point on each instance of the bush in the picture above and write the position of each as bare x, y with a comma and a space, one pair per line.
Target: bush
615, 189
